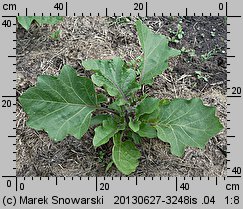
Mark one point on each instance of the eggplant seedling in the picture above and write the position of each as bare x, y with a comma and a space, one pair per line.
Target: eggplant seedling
69, 104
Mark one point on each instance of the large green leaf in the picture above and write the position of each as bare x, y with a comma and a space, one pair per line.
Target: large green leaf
26, 21
114, 77
185, 123
156, 53
125, 155
108, 129
60, 105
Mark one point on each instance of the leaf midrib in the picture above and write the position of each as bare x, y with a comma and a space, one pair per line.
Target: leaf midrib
118, 88
145, 60
64, 103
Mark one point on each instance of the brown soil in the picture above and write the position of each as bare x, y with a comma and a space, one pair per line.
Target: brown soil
103, 37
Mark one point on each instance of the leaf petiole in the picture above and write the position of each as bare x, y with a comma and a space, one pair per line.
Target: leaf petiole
108, 110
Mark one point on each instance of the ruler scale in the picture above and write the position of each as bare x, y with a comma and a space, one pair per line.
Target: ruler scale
121, 192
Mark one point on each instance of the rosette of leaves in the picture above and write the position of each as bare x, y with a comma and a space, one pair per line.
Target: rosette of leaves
65, 105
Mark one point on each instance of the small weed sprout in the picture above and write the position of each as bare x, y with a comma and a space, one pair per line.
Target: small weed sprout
178, 35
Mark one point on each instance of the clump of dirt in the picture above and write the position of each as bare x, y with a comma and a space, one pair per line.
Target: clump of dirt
199, 72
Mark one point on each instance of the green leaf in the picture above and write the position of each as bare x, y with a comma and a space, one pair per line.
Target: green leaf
52, 20
98, 119
114, 105
153, 116
146, 130
25, 21
125, 155
134, 124
150, 118
113, 75
101, 98
134, 136
60, 105
185, 123
147, 106
108, 129
156, 53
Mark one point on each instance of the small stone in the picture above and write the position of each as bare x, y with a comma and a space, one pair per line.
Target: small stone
20, 76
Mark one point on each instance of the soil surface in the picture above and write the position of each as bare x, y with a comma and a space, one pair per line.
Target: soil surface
199, 72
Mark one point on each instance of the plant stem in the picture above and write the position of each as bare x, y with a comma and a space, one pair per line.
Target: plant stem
109, 110
126, 116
